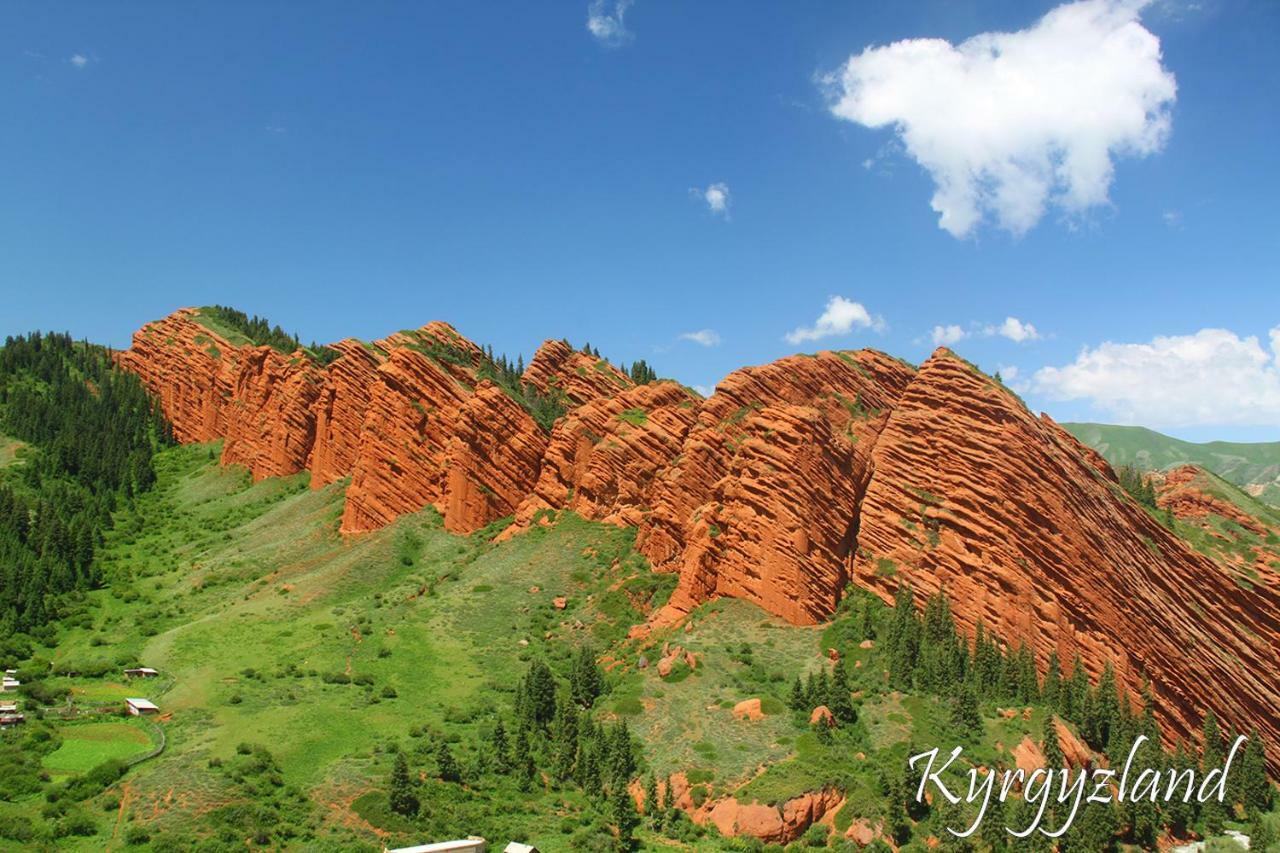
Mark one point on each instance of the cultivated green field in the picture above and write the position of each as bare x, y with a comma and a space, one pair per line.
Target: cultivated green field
87, 745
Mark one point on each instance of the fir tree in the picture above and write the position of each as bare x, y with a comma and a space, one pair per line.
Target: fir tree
652, 807
446, 765
586, 681
1255, 788
566, 739
797, 700
401, 797
623, 812
500, 749
1053, 756
838, 698
964, 711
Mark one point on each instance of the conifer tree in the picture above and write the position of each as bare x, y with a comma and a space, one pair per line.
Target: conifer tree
586, 681
446, 764
623, 811
1212, 812
797, 700
1052, 690
498, 745
522, 759
1053, 756
539, 694
401, 797
652, 808
1255, 788
838, 700
964, 711
566, 738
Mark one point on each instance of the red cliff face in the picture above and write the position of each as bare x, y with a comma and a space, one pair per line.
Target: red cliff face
268, 421
794, 479
760, 501
604, 455
412, 414
492, 459
580, 377
189, 368
340, 409
970, 492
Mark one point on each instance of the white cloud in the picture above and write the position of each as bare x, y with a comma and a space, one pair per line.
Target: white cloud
1211, 378
607, 26
1172, 218
716, 197
704, 390
1010, 123
841, 317
1013, 329
704, 337
79, 60
945, 336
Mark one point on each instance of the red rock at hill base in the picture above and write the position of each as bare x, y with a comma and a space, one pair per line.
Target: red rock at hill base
972, 493
579, 376
604, 455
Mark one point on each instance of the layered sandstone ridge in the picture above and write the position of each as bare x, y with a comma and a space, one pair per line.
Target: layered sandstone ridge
793, 480
971, 493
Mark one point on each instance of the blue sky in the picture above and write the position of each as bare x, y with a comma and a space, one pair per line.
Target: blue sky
352, 169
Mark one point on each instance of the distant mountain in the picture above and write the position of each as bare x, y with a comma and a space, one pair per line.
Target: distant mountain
1254, 467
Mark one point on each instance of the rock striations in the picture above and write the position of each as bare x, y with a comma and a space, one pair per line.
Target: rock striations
793, 480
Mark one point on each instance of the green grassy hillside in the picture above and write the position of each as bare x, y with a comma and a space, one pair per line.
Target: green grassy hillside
1254, 467
295, 666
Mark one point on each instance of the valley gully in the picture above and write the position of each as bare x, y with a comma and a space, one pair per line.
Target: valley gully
1104, 785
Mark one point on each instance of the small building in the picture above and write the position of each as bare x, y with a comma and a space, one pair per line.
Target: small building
10, 684
141, 672
139, 707
11, 719
517, 847
8, 707
472, 844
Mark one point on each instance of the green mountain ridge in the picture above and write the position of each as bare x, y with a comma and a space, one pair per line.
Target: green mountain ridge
1254, 467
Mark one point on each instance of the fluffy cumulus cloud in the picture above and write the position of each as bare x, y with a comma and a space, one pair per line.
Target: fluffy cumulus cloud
79, 60
841, 317
716, 197
945, 336
702, 337
1008, 124
1211, 378
606, 22
1013, 329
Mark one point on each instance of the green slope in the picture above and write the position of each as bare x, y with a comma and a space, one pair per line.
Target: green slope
1255, 467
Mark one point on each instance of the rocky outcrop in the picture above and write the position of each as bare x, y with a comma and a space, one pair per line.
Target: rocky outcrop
268, 422
761, 501
340, 410
492, 460
792, 480
604, 455
413, 412
973, 494
189, 368
581, 378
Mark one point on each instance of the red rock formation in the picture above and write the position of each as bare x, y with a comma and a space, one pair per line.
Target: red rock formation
760, 503
400, 465
189, 368
492, 460
793, 479
972, 492
580, 377
604, 455
268, 422
340, 410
